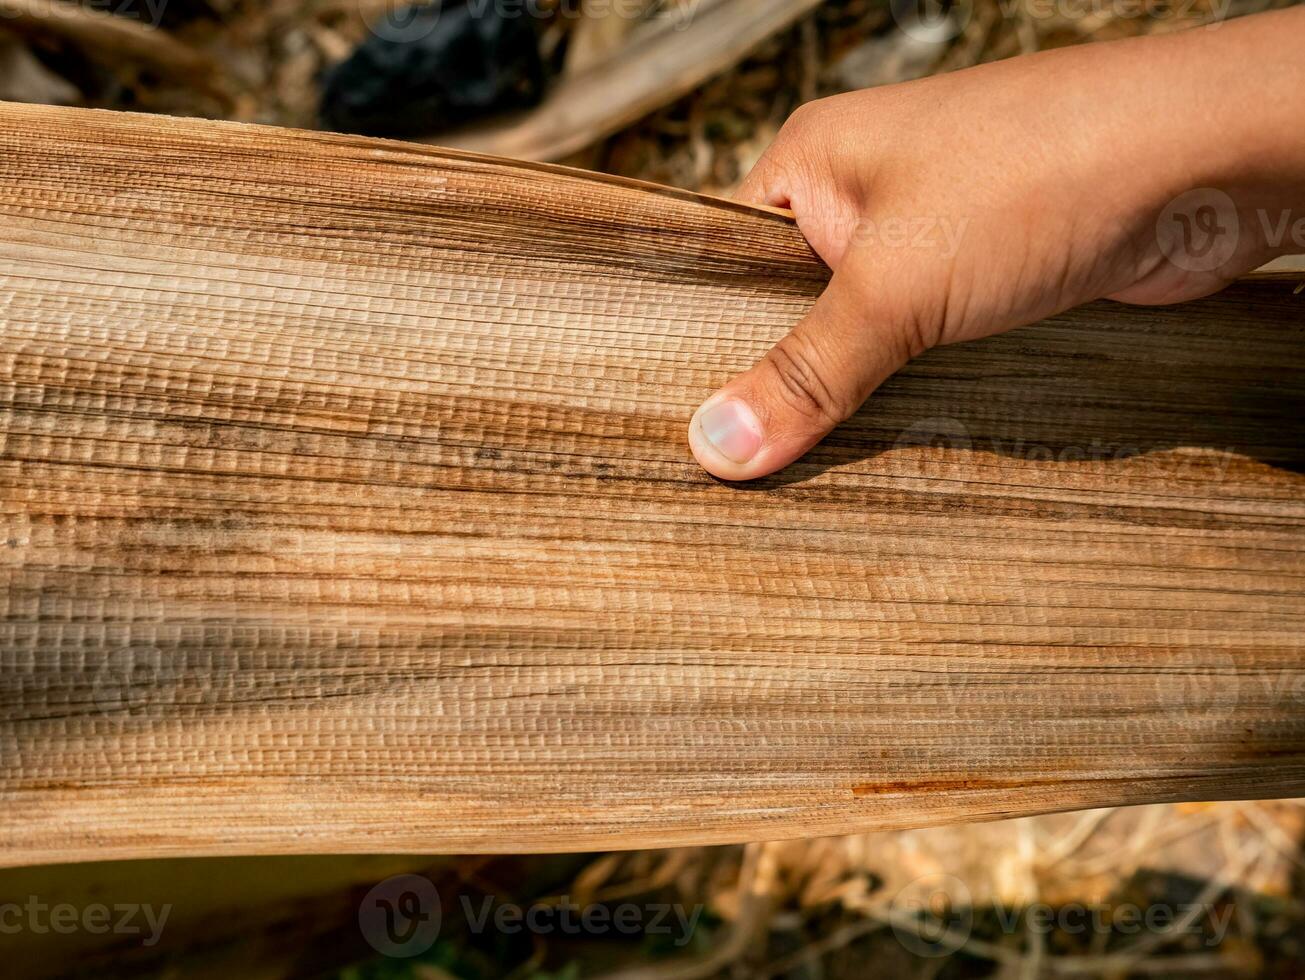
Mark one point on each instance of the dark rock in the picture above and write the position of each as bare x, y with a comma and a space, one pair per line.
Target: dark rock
424, 69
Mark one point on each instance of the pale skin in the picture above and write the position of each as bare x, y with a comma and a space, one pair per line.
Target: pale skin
967, 204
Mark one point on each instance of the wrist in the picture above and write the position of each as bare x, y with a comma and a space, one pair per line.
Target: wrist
1207, 167
1237, 131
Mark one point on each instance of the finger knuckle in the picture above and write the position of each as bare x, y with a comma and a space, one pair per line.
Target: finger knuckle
804, 122
802, 116
811, 144
799, 381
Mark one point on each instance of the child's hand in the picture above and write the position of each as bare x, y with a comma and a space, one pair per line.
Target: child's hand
1149, 171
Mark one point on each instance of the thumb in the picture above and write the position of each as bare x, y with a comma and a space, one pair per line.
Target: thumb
813, 379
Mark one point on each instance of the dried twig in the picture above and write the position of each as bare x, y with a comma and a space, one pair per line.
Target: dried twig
107, 37
660, 65
755, 876
1072, 840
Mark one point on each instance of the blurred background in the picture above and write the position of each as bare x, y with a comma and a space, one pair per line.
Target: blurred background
1210, 890
689, 93
684, 92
